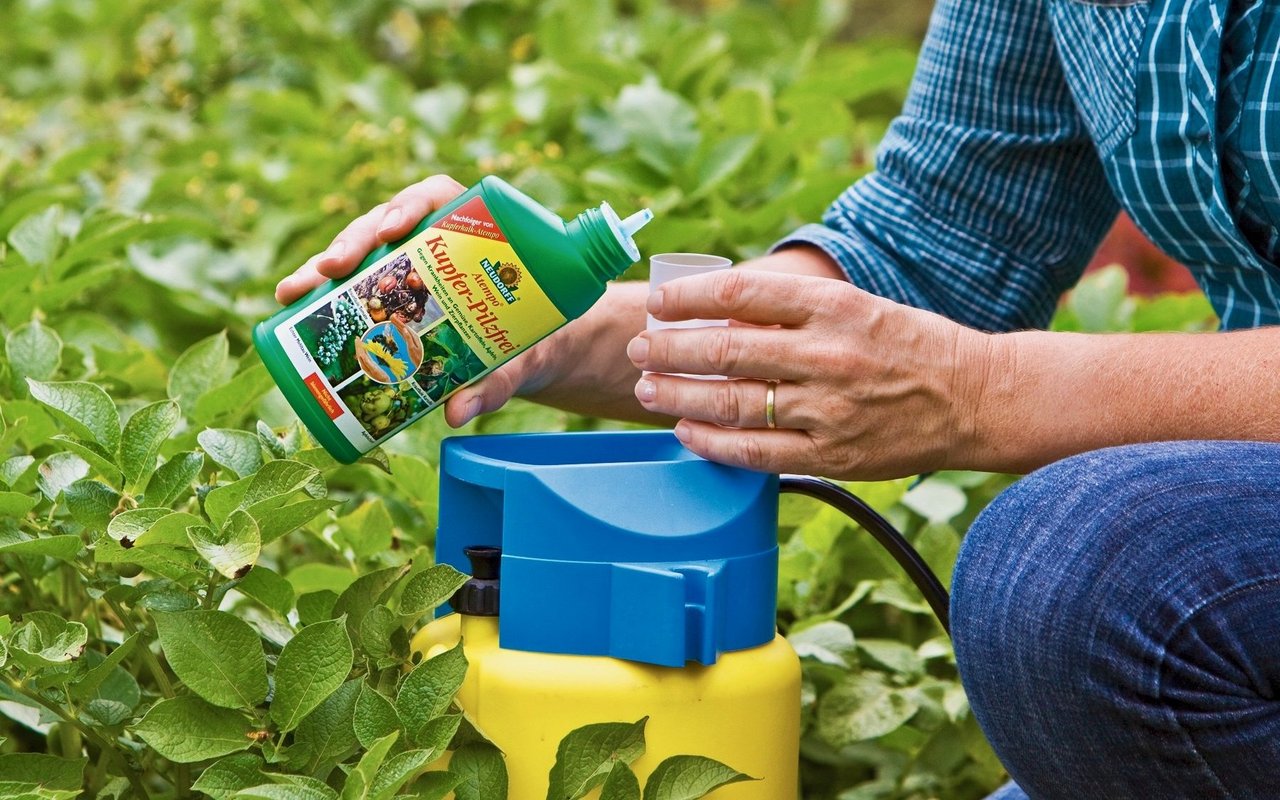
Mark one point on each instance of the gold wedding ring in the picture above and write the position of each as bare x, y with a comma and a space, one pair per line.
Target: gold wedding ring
770, 395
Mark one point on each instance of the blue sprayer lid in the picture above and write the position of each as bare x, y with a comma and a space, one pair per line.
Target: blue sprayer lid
618, 544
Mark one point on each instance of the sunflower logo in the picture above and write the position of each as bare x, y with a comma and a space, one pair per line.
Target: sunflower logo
510, 275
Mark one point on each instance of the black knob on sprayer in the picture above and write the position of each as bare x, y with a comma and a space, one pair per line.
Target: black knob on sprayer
479, 596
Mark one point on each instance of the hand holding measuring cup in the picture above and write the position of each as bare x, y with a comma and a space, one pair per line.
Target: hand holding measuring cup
862, 387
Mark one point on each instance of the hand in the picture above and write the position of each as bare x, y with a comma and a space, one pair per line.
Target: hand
867, 388
385, 222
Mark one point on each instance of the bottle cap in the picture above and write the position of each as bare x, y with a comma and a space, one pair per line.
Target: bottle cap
625, 229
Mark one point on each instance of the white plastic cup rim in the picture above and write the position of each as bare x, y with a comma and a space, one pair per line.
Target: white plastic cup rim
694, 262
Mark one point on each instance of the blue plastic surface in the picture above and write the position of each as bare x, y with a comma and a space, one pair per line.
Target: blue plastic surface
618, 544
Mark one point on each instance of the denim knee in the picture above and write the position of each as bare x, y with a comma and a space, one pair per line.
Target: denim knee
1082, 601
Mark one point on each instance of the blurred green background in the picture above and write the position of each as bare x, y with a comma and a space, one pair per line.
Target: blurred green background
162, 164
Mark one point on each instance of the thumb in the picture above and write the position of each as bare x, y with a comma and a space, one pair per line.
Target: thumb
488, 394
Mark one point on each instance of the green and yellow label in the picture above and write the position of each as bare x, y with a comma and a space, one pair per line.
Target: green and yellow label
417, 325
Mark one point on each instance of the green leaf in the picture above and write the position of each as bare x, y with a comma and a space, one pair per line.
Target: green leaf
429, 689
186, 729
238, 451
893, 656
828, 642
85, 406
282, 791
434, 785
862, 707
375, 716
936, 501
131, 525
16, 504
91, 503
276, 481
311, 667
59, 471
316, 577
34, 351
482, 771
399, 770
367, 530
361, 779
63, 547
376, 632
328, 734
283, 445
429, 589
221, 501
175, 563
417, 482
173, 477
88, 685
236, 396
55, 777
268, 588
279, 521
45, 640
439, 733
1100, 301
587, 755
689, 777
12, 469
145, 431
939, 545
216, 654
232, 550
621, 784
224, 777
315, 606
724, 159
366, 591
36, 236
201, 367
171, 529
101, 462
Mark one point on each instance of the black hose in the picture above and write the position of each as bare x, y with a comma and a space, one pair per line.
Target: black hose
888, 536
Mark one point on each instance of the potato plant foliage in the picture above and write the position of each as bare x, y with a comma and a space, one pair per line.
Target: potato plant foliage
194, 599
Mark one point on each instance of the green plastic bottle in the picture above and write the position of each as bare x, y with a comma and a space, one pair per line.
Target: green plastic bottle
475, 284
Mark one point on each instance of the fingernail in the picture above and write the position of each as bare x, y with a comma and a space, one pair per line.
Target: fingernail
646, 390
336, 252
391, 220
654, 304
638, 349
682, 431
470, 410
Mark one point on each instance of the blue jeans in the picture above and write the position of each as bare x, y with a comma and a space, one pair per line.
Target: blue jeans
1116, 622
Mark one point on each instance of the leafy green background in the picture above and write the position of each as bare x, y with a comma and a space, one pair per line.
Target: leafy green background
174, 553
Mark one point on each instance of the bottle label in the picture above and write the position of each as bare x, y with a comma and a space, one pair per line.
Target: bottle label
444, 308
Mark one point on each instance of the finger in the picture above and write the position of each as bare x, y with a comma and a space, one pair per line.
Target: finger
757, 297
734, 351
413, 203
734, 403
351, 245
304, 279
760, 450
486, 395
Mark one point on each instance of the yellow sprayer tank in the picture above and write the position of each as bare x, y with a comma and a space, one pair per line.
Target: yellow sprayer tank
617, 576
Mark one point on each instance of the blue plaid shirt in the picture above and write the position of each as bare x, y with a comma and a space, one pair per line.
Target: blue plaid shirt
1030, 122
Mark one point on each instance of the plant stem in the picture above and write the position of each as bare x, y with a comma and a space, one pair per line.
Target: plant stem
148, 657
210, 590
103, 745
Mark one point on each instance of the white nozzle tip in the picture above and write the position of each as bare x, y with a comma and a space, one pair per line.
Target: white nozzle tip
636, 221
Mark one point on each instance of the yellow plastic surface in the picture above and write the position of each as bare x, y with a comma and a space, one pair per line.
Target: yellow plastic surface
744, 711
